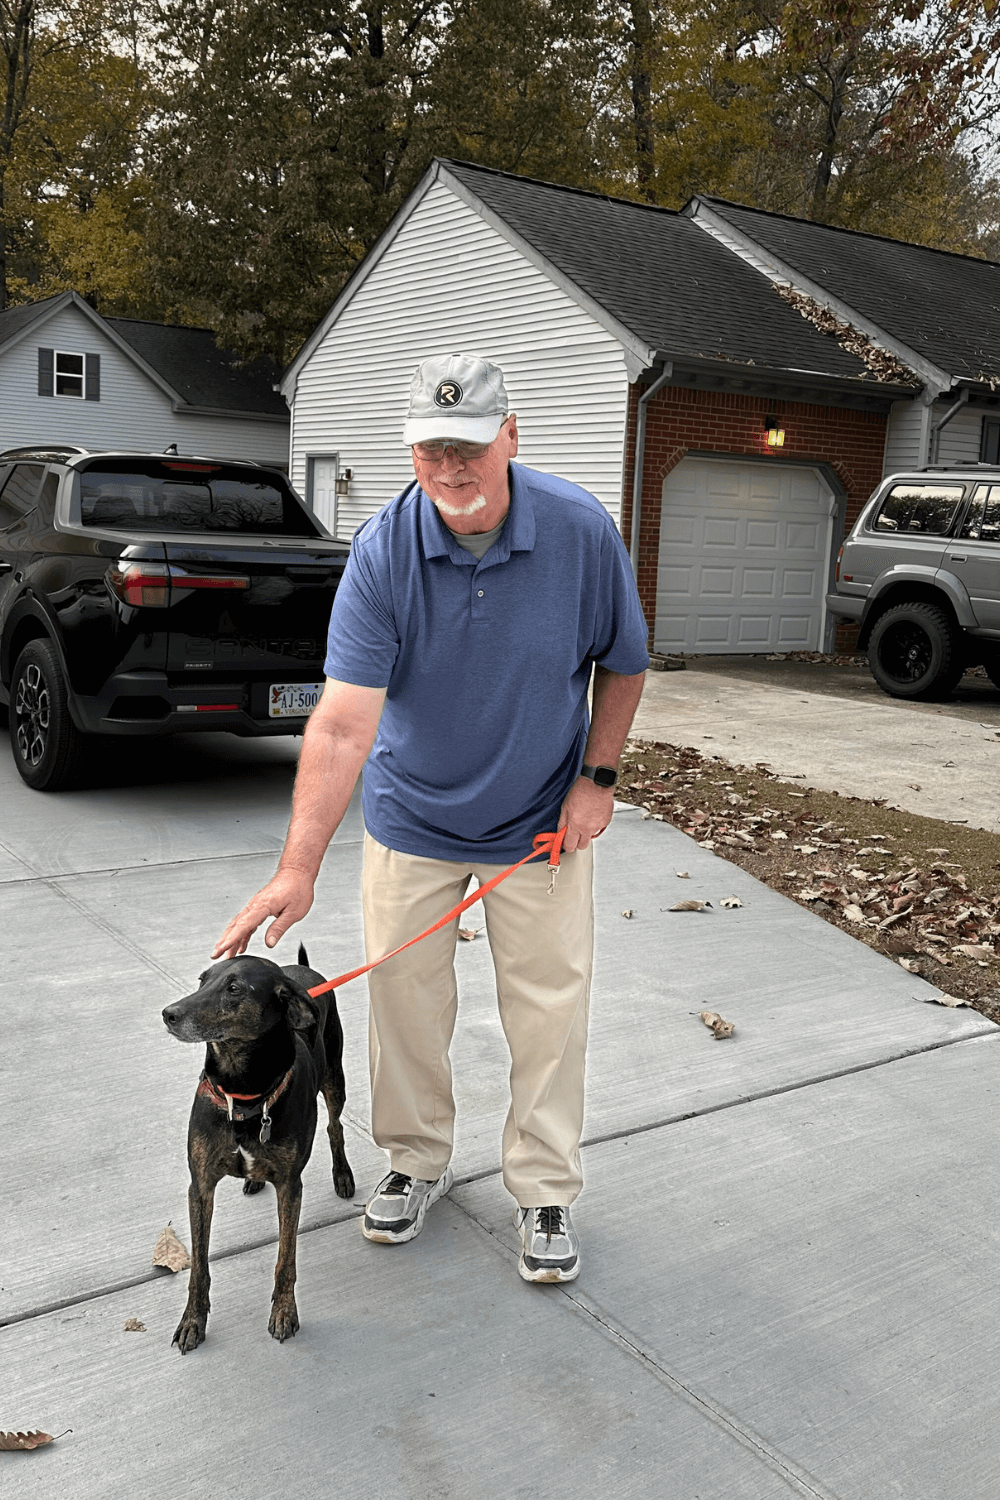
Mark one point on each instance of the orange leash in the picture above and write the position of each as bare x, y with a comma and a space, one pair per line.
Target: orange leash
543, 843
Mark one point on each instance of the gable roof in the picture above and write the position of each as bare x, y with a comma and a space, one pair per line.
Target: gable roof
186, 363
942, 306
649, 275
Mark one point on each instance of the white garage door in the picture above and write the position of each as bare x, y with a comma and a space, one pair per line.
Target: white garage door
743, 562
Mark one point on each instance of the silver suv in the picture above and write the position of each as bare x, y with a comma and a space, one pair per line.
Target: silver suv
920, 572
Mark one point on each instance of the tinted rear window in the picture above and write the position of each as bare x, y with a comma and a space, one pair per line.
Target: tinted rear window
166, 496
919, 509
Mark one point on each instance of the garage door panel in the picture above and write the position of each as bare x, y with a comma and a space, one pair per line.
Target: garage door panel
743, 557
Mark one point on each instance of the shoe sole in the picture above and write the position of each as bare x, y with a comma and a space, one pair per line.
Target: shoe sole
386, 1236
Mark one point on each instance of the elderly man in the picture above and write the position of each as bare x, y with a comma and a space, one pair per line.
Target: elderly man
463, 636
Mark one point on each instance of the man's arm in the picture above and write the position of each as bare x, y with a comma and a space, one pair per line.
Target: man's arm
588, 808
336, 743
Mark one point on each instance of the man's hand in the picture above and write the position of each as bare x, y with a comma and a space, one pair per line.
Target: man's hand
585, 813
287, 898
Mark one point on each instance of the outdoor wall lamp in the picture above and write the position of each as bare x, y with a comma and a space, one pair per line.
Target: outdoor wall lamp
775, 434
344, 483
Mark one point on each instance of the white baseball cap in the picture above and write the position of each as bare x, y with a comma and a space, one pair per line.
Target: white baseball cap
455, 396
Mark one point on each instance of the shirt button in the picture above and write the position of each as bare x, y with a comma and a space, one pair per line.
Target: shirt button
480, 593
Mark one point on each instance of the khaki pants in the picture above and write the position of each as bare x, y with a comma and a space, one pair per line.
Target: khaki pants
542, 949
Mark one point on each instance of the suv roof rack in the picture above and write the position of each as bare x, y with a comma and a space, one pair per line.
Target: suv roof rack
49, 452
964, 463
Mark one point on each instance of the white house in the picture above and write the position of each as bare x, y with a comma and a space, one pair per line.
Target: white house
69, 375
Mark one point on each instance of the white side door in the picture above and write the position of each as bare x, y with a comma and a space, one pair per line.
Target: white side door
744, 558
321, 488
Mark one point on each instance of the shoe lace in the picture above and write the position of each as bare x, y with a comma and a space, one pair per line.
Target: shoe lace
549, 1221
398, 1183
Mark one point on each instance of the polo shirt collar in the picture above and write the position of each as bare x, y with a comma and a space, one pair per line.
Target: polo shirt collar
517, 536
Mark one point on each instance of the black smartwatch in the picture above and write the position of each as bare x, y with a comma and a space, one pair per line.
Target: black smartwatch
605, 776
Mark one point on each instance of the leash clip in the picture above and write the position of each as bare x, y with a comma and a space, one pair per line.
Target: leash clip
553, 872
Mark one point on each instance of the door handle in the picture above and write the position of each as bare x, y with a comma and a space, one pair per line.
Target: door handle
959, 557
5, 567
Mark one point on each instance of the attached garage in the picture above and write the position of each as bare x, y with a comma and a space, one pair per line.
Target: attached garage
744, 557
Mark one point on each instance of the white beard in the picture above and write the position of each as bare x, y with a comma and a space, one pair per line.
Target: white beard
461, 510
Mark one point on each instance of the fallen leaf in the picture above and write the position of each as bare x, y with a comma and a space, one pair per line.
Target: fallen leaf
974, 950
915, 786
718, 1027
468, 933
909, 964
132, 1325
806, 848
730, 901
168, 1251
854, 913
706, 843
950, 1000
693, 905
628, 912
683, 875
11, 1442
779, 833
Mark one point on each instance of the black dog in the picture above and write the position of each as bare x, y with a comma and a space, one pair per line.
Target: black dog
271, 1049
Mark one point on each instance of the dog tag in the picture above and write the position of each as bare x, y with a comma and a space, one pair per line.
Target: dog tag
265, 1127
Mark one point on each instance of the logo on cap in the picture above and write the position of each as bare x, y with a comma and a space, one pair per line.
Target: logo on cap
448, 393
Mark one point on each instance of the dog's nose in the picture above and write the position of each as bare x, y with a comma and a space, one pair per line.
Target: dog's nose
169, 1015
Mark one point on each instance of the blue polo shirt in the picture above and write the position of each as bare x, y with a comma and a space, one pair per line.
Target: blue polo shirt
486, 664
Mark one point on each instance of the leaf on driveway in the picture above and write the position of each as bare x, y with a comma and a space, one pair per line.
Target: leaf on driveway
468, 933
683, 875
12, 1442
628, 912
719, 1028
692, 905
168, 1251
730, 901
132, 1325
950, 1000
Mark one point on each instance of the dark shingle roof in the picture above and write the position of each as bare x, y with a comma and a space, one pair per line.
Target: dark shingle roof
191, 362
659, 275
14, 319
943, 306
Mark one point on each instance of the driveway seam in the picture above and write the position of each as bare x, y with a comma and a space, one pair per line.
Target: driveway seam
159, 864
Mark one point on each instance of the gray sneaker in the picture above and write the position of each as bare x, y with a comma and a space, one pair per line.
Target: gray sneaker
395, 1212
550, 1247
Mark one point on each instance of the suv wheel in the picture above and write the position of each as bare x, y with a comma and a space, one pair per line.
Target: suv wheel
45, 741
916, 652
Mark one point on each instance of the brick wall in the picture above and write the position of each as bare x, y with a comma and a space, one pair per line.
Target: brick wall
679, 421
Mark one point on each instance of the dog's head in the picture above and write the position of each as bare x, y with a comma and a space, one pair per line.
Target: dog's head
239, 1000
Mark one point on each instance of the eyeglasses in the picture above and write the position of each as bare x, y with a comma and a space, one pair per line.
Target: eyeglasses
461, 449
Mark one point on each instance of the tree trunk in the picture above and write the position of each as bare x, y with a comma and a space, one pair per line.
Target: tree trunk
819, 206
642, 112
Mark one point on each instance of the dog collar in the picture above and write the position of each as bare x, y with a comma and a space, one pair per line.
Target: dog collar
209, 1089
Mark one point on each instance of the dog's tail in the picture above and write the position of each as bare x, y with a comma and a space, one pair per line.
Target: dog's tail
303, 956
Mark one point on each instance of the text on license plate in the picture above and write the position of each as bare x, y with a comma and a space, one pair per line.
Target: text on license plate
293, 700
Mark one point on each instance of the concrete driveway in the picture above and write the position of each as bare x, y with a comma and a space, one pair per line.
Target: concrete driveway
789, 1237
835, 728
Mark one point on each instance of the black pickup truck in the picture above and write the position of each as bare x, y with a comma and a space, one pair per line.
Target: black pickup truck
147, 594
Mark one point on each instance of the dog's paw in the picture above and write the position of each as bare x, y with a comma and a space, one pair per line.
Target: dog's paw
190, 1333
343, 1180
250, 1187
284, 1321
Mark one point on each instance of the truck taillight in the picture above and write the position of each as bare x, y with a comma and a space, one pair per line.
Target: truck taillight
840, 554
141, 584
183, 580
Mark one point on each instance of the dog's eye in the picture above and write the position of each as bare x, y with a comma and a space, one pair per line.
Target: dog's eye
233, 987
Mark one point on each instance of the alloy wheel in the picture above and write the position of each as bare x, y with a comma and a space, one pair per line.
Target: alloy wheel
32, 711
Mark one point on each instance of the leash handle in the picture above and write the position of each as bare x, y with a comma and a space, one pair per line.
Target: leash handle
542, 843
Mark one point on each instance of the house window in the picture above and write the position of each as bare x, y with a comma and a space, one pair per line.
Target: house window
69, 374
63, 374
989, 447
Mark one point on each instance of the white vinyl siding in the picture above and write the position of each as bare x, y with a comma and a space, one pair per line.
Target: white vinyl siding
133, 411
449, 283
959, 441
903, 437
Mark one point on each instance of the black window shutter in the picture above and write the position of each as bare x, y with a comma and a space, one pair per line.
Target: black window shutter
46, 366
93, 381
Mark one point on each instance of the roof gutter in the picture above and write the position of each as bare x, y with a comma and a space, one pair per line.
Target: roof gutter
640, 454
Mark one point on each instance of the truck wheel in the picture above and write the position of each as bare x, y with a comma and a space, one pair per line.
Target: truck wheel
47, 744
916, 652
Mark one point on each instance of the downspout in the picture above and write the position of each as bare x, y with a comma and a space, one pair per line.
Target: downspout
952, 411
640, 454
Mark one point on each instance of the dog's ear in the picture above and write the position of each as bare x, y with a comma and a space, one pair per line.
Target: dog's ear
299, 1006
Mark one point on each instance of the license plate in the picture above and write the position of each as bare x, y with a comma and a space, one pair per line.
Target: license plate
293, 700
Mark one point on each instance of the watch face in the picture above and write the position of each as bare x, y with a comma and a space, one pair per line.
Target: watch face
605, 776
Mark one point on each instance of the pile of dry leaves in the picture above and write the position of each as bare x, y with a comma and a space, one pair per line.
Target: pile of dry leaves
922, 892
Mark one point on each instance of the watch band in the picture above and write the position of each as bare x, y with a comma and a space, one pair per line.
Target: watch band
605, 776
